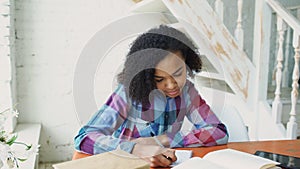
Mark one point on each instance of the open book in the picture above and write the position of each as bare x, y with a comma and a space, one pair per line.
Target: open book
228, 159
116, 159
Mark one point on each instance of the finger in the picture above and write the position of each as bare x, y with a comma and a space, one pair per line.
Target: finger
167, 157
170, 154
164, 161
154, 162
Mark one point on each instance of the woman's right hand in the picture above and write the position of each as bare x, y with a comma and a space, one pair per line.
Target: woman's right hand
155, 155
163, 139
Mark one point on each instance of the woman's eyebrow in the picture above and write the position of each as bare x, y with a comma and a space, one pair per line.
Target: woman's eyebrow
155, 76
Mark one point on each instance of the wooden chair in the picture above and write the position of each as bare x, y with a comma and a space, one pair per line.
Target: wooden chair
78, 155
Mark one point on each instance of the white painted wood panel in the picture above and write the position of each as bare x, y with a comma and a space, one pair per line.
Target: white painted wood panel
215, 41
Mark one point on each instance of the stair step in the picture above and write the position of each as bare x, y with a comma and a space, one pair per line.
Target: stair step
149, 6
210, 75
207, 65
213, 83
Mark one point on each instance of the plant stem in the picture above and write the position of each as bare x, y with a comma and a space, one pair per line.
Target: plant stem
28, 146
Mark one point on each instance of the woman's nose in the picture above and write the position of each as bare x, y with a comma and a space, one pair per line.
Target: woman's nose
170, 83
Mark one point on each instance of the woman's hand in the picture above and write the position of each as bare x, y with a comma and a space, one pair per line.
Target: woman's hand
155, 155
163, 139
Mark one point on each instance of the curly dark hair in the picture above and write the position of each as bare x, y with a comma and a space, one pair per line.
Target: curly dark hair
146, 52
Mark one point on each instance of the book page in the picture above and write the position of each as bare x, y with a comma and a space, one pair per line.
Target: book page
235, 159
197, 162
116, 159
182, 155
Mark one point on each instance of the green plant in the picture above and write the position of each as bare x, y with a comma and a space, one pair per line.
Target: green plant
10, 152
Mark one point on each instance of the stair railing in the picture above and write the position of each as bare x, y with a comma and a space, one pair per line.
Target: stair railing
285, 19
239, 32
277, 103
286, 23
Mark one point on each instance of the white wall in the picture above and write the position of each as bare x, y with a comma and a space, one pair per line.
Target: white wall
7, 68
50, 35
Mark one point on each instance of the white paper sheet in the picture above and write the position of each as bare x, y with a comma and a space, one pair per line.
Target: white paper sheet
182, 155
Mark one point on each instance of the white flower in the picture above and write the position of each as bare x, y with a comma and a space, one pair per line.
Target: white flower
12, 151
15, 113
10, 162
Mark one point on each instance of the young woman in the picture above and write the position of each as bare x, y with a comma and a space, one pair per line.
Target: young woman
144, 115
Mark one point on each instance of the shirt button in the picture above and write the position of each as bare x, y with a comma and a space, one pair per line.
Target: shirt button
166, 116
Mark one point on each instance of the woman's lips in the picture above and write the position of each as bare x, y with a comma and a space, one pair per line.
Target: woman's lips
173, 93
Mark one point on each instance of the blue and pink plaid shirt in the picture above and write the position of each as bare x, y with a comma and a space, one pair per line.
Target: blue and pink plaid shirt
120, 120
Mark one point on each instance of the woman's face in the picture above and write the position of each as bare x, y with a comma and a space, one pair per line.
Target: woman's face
170, 74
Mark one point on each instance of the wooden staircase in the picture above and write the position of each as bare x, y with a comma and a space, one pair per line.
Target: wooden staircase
227, 68
286, 104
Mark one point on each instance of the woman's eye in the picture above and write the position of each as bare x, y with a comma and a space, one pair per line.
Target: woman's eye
158, 80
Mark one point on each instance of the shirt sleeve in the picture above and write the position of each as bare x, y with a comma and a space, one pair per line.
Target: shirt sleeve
96, 136
207, 131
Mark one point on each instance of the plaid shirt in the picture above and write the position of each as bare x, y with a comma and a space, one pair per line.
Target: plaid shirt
120, 120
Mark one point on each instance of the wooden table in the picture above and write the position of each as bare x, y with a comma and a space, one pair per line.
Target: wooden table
285, 147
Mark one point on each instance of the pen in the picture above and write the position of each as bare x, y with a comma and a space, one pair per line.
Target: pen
159, 143
156, 140
167, 157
